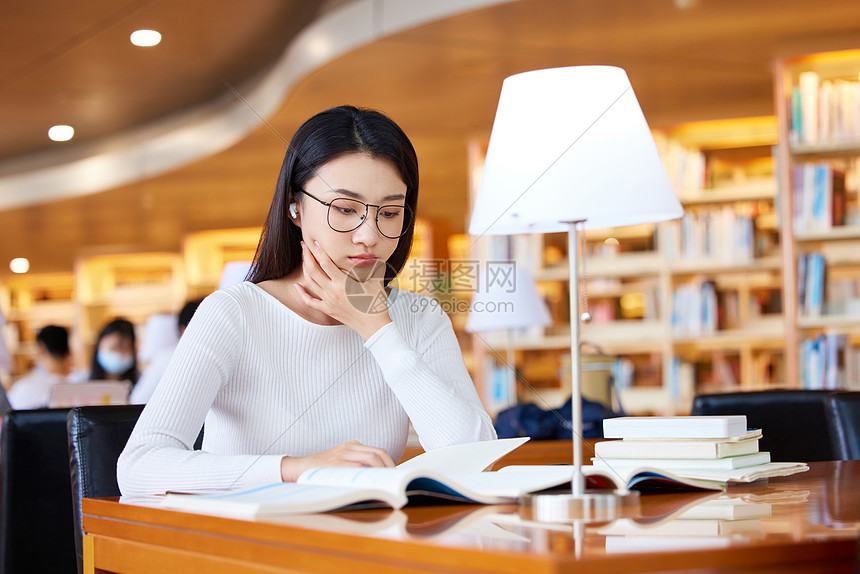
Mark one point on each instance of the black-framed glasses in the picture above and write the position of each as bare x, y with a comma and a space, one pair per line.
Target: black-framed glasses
345, 215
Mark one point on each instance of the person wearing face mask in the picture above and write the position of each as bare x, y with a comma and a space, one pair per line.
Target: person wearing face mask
114, 355
315, 360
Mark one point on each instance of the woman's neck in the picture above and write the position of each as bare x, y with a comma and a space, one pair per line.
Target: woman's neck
282, 289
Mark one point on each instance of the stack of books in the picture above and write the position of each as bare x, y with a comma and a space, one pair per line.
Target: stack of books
717, 448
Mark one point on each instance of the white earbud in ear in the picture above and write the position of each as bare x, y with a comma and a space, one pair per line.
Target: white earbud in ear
293, 213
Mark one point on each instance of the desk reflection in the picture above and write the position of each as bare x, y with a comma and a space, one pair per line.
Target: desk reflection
823, 505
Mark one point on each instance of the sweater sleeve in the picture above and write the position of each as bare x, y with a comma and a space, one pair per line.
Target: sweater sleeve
432, 383
158, 456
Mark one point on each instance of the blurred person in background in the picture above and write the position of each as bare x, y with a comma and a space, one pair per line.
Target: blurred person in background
53, 365
145, 386
114, 356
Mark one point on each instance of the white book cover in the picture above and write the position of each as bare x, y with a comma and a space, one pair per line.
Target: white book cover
729, 462
722, 426
676, 448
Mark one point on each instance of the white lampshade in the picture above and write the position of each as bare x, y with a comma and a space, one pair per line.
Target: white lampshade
234, 272
570, 144
160, 333
503, 306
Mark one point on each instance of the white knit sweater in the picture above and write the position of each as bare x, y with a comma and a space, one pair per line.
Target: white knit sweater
269, 383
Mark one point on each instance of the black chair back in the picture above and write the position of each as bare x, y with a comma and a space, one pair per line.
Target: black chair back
96, 437
843, 420
793, 422
37, 527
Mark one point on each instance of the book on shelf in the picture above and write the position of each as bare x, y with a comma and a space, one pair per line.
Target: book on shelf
828, 362
810, 282
679, 448
710, 426
728, 462
819, 197
724, 234
694, 309
822, 110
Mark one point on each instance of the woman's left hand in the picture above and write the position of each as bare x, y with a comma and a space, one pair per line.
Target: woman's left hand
360, 305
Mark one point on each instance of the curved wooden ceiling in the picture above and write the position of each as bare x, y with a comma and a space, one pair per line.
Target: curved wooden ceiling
439, 81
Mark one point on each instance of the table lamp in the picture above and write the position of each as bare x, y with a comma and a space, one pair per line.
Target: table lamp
506, 305
570, 149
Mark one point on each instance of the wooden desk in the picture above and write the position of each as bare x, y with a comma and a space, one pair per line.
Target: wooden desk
534, 452
812, 526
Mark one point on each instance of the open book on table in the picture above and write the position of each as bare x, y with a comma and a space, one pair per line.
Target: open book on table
646, 478
451, 473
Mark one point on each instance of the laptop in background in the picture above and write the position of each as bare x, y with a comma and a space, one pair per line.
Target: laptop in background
64, 395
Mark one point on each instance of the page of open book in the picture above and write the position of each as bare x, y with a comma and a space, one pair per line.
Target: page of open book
467, 457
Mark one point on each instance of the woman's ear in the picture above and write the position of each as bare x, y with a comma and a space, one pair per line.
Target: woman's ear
293, 210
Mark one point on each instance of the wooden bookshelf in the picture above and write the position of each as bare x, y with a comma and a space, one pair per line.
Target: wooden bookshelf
820, 217
631, 274
30, 302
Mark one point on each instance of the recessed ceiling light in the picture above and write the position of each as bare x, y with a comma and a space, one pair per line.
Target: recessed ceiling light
19, 265
61, 133
145, 38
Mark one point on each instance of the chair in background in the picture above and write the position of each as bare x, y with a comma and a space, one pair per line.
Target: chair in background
37, 526
843, 420
96, 437
793, 422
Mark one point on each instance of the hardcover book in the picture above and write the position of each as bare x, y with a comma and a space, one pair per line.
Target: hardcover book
679, 448
715, 426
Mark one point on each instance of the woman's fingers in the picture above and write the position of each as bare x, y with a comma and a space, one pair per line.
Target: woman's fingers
351, 454
368, 455
320, 261
324, 261
312, 268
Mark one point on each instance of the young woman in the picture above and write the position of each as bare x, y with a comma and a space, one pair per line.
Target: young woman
115, 355
314, 361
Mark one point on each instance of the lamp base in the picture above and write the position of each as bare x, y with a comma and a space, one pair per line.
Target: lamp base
591, 506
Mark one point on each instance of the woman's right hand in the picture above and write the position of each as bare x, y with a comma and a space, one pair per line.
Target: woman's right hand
348, 454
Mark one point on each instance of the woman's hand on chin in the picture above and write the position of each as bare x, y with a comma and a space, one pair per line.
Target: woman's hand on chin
359, 302
349, 454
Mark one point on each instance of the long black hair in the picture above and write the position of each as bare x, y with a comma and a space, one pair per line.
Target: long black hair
324, 137
125, 329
